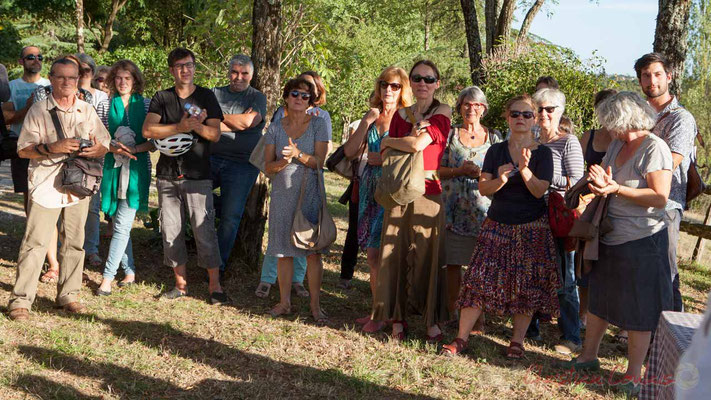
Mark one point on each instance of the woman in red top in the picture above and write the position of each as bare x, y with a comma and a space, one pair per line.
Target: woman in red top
411, 277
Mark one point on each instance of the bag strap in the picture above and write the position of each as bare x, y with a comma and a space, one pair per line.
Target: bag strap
410, 115
57, 123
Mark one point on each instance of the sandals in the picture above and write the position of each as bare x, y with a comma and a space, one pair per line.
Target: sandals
373, 326
621, 337
50, 276
400, 336
515, 351
279, 310
300, 289
320, 318
363, 320
456, 347
263, 289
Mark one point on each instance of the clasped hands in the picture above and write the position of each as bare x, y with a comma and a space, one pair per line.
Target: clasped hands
601, 182
191, 124
290, 151
508, 169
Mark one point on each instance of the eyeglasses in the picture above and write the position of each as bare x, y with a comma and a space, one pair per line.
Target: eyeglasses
33, 57
429, 79
524, 114
393, 85
100, 79
187, 65
477, 106
548, 109
296, 93
65, 78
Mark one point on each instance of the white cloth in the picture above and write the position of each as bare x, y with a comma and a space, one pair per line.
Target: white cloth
127, 137
693, 375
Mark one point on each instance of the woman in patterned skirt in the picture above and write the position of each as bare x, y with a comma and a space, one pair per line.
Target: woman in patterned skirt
513, 269
392, 92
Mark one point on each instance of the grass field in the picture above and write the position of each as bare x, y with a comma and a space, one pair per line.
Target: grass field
132, 346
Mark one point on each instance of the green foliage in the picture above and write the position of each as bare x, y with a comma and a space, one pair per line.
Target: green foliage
10, 39
509, 75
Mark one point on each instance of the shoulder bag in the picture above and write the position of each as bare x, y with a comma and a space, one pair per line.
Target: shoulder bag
304, 234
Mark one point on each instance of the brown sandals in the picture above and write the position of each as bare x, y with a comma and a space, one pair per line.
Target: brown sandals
456, 347
515, 351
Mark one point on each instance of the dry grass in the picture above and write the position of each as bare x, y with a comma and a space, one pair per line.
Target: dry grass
133, 346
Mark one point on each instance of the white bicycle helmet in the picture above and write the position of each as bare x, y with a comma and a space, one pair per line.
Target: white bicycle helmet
175, 145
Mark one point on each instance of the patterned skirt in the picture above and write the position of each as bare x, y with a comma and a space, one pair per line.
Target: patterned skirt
513, 270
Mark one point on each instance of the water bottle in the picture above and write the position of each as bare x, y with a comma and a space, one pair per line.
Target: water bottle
192, 109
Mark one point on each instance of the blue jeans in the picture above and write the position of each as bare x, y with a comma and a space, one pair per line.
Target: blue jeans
121, 248
269, 269
569, 320
235, 180
91, 227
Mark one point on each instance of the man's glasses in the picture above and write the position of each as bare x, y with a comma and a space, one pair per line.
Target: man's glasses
33, 57
548, 109
524, 114
296, 93
187, 65
428, 79
66, 78
393, 85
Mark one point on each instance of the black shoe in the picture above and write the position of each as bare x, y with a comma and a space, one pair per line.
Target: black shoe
219, 298
173, 294
124, 284
100, 292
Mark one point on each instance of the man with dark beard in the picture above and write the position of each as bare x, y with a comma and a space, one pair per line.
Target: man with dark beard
677, 127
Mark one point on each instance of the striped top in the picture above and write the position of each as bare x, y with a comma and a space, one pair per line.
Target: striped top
568, 162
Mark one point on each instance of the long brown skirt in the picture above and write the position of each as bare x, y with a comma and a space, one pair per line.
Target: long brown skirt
411, 277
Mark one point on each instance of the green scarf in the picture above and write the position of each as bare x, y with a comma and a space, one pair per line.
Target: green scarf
140, 177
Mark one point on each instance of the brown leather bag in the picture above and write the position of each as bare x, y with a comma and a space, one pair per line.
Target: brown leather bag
304, 234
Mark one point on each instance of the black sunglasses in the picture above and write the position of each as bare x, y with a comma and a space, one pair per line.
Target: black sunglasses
548, 109
419, 78
32, 57
393, 85
524, 114
296, 93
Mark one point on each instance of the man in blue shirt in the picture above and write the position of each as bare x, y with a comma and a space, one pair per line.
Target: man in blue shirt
244, 108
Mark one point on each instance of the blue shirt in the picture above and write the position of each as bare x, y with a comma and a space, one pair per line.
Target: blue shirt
20, 91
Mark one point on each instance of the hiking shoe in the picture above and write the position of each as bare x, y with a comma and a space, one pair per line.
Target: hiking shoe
74, 307
590, 366
173, 294
219, 298
567, 347
19, 314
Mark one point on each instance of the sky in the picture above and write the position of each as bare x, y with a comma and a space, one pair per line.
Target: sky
620, 31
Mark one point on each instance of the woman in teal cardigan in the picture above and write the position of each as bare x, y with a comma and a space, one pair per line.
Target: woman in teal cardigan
127, 176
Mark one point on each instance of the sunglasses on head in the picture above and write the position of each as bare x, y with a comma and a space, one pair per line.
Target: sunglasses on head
393, 85
419, 78
524, 114
32, 57
296, 93
548, 109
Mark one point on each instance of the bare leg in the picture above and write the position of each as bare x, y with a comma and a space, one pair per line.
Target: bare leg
583, 293
373, 255
637, 347
52, 251
594, 332
314, 272
520, 325
180, 282
214, 276
467, 319
285, 273
454, 280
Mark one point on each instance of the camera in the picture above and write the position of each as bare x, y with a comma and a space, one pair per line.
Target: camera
192, 109
84, 144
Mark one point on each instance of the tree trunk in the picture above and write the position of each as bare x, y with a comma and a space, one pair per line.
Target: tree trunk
471, 24
80, 25
492, 9
108, 29
266, 56
670, 37
528, 20
428, 24
503, 25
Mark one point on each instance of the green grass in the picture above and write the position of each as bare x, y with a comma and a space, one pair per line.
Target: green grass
133, 346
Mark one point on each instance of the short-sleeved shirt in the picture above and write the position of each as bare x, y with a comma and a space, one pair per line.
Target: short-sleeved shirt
514, 204
631, 221
238, 145
568, 162
315, 111
195, 163
79, 121
678, 129
20, 91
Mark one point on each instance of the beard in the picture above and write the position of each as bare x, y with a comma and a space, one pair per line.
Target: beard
652, 93
33, 69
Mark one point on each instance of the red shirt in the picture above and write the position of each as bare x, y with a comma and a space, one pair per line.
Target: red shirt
432, 154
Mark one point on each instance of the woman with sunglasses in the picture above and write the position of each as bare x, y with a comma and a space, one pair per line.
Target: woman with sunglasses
513, 268
269, 264
295, 145
568, 168
465, 207
100, 79
392, 91
410, 276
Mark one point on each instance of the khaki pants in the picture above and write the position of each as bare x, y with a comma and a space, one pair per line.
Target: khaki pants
41, 223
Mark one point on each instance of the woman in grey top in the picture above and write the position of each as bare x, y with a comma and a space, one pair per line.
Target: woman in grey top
295, 145
629, 284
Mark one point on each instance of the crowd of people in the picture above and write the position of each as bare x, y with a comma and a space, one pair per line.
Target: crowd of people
478, 241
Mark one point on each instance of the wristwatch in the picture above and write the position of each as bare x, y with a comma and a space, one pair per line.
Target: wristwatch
301, 153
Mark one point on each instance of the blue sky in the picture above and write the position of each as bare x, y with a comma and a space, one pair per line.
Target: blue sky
618, 30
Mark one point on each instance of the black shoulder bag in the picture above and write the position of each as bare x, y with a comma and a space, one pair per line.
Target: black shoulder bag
8, 144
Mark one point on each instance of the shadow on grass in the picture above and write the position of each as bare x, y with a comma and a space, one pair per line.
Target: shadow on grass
257, 376
42, 388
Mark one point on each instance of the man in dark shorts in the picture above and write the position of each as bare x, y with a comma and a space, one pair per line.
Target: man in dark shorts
183, 181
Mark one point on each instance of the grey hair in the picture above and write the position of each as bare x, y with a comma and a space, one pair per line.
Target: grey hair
550, 96
241, 59
474, 93
624, 112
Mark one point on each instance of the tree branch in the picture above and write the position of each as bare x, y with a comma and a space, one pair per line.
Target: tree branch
528, 20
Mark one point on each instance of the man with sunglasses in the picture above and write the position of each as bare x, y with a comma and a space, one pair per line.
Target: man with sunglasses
183, 181
21, 100
244, 108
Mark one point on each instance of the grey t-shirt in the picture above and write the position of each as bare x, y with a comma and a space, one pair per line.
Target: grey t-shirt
629, 220
237, 146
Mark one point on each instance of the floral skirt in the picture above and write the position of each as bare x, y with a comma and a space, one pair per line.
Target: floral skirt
513, 270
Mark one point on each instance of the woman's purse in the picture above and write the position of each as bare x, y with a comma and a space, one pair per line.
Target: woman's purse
340, 164
257, 156
308, 236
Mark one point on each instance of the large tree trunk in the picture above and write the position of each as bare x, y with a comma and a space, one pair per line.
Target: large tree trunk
80, 25
266, 56
471, 23
503, 25
492, 9
670, 37
108, 29
528, 20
